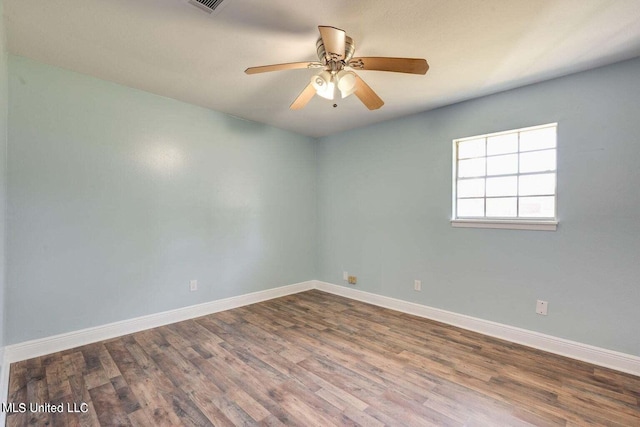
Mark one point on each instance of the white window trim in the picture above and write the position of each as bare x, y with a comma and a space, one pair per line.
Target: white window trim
550, 224
504, 224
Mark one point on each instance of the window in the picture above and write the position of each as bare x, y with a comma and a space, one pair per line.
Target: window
506, 179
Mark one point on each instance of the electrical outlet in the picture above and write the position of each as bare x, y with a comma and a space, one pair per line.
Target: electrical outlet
353, 280
417, 285
345, 275
193, 285
541, 307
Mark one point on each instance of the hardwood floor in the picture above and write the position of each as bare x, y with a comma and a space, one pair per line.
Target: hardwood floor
318, 359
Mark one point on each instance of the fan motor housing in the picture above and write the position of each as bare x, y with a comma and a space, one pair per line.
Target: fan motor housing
349, 50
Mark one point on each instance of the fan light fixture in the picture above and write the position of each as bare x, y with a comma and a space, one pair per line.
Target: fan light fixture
327, 82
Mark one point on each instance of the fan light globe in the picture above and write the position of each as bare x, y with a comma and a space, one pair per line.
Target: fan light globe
346, 82
323, 84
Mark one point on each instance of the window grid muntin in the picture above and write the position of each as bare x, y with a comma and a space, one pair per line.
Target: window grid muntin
517, 175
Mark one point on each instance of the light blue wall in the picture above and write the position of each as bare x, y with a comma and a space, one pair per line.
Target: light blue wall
117, 198
384, 197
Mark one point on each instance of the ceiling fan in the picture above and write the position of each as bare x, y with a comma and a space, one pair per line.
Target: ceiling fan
335, 53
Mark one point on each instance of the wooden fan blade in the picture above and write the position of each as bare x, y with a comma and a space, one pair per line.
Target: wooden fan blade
334, 42
367, 95
304, 97
278, 67
398, 65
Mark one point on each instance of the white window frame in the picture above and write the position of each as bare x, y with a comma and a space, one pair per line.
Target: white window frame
541, 224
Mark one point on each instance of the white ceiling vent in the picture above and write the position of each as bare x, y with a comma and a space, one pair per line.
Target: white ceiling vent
208, 6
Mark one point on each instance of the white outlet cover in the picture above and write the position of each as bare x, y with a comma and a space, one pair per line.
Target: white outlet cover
417, 285
345, 275
542, 307
193, 285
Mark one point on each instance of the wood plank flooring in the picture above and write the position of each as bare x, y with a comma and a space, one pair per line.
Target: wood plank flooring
316, 359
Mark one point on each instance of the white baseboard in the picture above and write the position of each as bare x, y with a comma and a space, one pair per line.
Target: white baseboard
53, 344
598, 356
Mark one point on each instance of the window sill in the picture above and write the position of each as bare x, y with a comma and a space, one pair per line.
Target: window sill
505, 224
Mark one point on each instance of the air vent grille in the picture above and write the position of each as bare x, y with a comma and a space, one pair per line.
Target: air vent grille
207, 5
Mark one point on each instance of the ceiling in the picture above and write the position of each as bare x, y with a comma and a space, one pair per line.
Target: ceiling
474, 48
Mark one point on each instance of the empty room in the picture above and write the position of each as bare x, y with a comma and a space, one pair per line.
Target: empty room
250, 212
